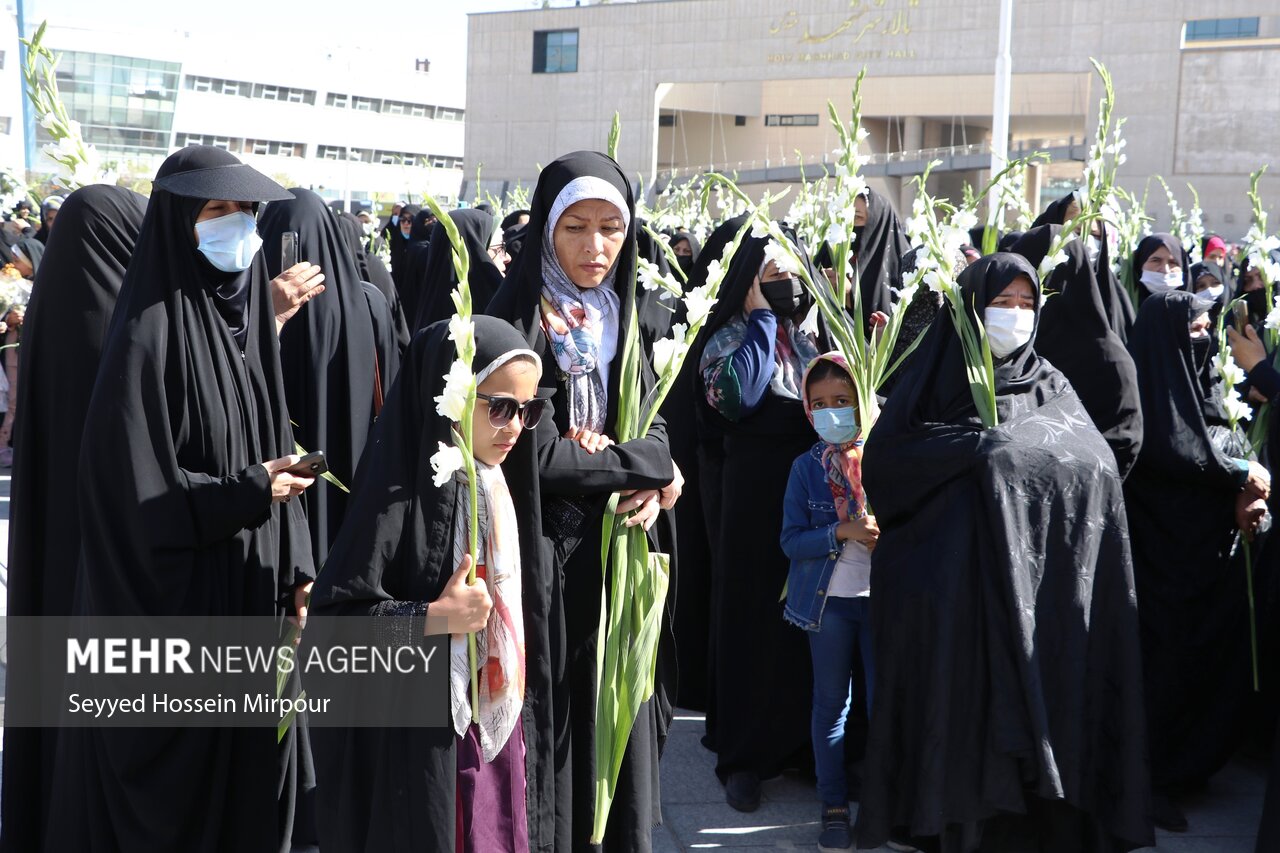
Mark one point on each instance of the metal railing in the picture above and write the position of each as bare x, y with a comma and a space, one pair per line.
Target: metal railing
884, 163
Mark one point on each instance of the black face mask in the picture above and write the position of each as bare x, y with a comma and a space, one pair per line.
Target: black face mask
786, 296
685, 262
1200, 351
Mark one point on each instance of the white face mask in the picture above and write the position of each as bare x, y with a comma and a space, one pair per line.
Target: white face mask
1208, 297
229, 242
1008, 329
1162, 282
1093, 248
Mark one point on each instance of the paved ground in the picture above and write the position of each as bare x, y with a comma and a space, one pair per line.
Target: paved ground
1223, 819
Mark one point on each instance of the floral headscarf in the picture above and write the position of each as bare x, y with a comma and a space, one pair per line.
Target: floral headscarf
842, 462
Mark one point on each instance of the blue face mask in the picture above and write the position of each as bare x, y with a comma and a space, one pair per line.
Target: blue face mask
229, 242
835, 426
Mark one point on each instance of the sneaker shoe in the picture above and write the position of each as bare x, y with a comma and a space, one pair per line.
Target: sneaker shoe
836, 835
742, 791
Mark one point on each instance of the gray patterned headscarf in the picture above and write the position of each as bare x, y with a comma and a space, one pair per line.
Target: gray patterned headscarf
574, 318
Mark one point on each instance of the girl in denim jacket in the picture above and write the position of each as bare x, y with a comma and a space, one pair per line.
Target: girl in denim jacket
828, 536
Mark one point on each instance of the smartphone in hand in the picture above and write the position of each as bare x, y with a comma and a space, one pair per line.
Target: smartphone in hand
288, 250
311, 465
1241, 312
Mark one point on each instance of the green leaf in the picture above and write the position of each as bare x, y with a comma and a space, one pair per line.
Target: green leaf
615, 134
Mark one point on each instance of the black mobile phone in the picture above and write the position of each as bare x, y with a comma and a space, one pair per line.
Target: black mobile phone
311, 465
1241, 311
288, 249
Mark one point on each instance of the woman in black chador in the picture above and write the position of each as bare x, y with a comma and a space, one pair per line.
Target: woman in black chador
478, 787
750, 360
1182, 500
185, 510
65, 325
481, 237
328, 355
1075, 336
1008, 699
1116, 303
569, 295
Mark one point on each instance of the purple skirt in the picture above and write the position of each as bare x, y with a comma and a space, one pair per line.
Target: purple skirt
492, 815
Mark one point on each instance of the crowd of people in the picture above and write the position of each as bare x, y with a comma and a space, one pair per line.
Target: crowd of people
1057, 651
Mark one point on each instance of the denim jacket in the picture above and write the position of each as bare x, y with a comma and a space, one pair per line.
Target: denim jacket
809, 524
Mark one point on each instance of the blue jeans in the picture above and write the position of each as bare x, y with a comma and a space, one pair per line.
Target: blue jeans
846, 622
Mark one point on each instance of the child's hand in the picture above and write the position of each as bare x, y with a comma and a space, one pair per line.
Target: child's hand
592, 442
863, 530
462, 608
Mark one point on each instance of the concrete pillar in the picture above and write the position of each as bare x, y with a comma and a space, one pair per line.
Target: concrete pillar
912, 140
912, 133
1035, 181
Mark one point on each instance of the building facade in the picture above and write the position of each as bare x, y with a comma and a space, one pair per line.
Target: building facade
352, 124
743, 86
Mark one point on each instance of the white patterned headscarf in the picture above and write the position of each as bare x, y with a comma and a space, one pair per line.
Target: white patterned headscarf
500, 645
575, 319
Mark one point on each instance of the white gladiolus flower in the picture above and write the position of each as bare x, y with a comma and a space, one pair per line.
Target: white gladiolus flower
953, 238
445, 462
863, 134
810, 323
917, 227
698, 304
1230, 372
1267, 245
463, 333
759, 228
649, 274
964, 220
836, 234
937, 281
1271, 270
1051, 263
1273, 319
905, 295
781, 256
667, 350
458, 384
1236, 408
715, 272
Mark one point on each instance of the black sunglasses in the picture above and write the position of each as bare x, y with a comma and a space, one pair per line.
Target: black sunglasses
503, 409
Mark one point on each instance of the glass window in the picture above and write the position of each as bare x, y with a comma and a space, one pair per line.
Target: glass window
418, 110
395, 108
200, 84
270, 93
555, 51
1220, 29
295, 96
